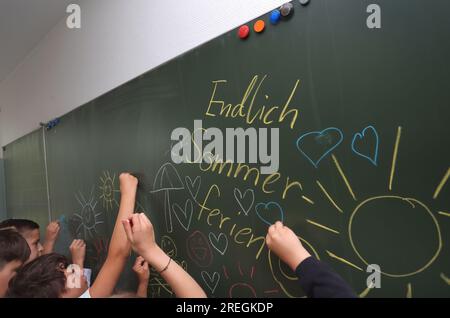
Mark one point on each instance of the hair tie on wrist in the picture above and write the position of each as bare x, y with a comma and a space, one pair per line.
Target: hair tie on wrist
167, 266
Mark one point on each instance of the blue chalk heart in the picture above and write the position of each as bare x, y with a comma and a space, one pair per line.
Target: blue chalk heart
360, 137
269, 211
318, 135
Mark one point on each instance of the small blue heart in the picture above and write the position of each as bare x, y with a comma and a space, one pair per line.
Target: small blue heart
318, 135
269, 211
360, 136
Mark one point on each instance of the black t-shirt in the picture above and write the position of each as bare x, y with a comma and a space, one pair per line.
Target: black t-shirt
318, 280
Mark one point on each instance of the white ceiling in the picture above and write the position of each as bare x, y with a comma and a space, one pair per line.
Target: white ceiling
22, 24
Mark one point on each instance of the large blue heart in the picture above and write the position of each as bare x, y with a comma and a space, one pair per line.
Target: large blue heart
269, 212
318, 136
360, 136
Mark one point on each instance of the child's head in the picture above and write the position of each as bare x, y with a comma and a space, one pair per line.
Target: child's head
14, 252
44, 277
30, 231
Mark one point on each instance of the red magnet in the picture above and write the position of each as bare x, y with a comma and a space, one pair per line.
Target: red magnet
243, 31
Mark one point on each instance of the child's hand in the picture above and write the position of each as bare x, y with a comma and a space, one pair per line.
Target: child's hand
78, 251
141, 269
52, 232
128, 184
285, 244
140, 233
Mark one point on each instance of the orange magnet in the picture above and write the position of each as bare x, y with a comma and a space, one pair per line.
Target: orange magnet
259, 26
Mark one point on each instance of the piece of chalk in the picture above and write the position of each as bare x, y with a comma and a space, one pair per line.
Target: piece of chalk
259, 26
286, 9
243, 31
304, 2
275, 16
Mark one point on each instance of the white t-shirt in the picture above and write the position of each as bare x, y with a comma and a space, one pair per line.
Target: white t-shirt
86, 294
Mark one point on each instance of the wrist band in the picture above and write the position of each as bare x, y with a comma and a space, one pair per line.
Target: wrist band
167, 266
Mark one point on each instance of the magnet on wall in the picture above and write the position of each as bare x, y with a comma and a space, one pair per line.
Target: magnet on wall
303, 2
286, 9
243, 32
275, 16
259, 26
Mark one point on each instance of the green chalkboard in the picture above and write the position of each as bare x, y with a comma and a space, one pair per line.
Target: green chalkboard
26, 187
2, 191
363, 155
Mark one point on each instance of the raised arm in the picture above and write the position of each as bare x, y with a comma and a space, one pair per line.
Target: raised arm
78, 251
51, 236
143, 273
119, 247
316, 278
141, 235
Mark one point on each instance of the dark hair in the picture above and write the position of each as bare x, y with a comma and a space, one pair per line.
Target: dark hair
21, 225
42, 278
13, 247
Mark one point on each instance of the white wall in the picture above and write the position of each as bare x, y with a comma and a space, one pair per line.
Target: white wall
118, 40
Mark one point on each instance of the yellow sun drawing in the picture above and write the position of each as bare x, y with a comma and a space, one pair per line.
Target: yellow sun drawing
87, 218
108, 190
372, 211
405, 230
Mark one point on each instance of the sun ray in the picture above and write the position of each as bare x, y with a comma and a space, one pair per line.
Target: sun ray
445, 278
341, 172
394, 156
78, 199
108, 190
307, 199
441, 184
329, 197
77, 215
322, 226
366, 291
343, 260
443, 213
82, 197
409, 291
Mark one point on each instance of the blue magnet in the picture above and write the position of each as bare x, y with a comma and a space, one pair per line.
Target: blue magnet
52, 123
275, 16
